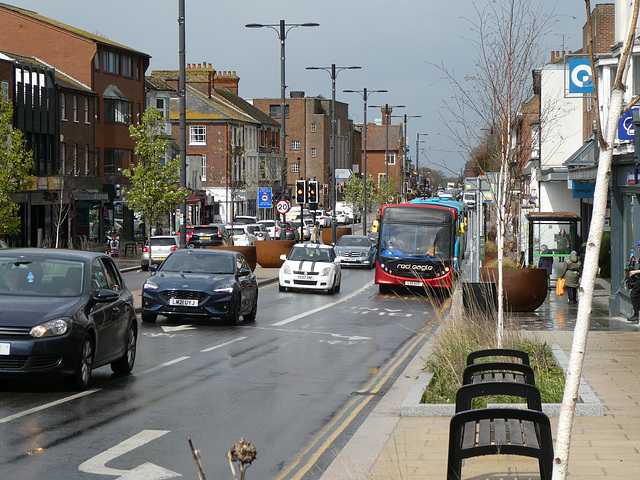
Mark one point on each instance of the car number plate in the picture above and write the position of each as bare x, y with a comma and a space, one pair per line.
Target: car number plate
183, 302
412, 283
347, 259
205, 238
5, 348
305, 277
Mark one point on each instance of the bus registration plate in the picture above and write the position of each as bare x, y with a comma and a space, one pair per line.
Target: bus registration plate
412, 283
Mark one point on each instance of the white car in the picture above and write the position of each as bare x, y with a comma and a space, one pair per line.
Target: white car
310, 267
323, 218
261, 232
242, 235
342, 218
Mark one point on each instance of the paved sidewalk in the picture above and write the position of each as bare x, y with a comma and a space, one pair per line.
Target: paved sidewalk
390, 447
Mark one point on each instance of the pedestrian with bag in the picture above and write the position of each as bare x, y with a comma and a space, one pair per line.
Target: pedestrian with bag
315, 233
571, 272
633, 283
546, 261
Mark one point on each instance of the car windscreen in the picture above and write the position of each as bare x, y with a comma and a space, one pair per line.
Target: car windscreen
269, 224
412, 240
199, 263
34, 278
353, 242
310, 254
239, 231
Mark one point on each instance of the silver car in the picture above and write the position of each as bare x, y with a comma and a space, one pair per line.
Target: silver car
159, 248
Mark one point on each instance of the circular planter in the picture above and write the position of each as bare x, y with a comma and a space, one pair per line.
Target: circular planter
268, 253
340, 231
248, 252
525, 289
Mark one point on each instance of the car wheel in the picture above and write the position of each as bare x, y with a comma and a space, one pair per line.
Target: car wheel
145, 267
80, 379
336, 288
149, 317
125, 363
282, 288
251, 316
234, 317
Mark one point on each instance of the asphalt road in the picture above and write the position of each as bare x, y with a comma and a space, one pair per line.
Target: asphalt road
297, 383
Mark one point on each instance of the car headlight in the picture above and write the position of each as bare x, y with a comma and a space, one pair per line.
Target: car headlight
365, 253
224, 289
286, 270
149, 285
326, 272
52, 328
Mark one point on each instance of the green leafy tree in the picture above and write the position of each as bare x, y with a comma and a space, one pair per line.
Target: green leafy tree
154, 187
387, 189
354, 192
15, 165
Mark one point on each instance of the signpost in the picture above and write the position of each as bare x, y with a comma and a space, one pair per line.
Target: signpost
264, 197
283, 206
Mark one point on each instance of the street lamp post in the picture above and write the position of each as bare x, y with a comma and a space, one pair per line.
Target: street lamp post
282, 29
387, 114
333, 71
405, 143
418, 154
364, 93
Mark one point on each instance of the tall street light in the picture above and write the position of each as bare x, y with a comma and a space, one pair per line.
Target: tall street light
282, 29
418, 155
182, 99
387, 114
333, 71
405, 143
364, 93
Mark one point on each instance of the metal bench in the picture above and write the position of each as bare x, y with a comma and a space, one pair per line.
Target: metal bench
496, 431
498, 372
498, 352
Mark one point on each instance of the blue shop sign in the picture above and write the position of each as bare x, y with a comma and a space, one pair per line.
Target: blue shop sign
583, 190
632, 176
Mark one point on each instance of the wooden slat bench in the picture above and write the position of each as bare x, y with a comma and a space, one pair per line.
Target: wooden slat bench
494, 431
498, 352
498, 372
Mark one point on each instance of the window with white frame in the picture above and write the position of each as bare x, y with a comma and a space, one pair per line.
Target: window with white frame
117, 111
160, 106
86, 110
75, 159
63, 158
63, 108
203, 173
391, 158
314, 152
197, 135
295, 144
295, 168
381, 177
86, 160
75, 109
313, 127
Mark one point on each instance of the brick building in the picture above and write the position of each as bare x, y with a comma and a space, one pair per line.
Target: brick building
308, 148
102, 89
378, 143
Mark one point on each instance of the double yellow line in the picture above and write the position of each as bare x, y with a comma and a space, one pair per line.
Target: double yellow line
349, 412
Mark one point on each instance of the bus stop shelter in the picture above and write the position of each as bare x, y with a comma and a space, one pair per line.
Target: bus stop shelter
544, 227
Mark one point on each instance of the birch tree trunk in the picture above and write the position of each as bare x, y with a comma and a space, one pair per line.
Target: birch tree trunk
590, 269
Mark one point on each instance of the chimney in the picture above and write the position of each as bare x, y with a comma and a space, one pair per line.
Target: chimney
386, 116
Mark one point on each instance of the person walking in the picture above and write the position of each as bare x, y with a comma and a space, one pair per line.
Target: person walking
562, 242
634, 286
571, 272
546, 262
315, 233
159, 230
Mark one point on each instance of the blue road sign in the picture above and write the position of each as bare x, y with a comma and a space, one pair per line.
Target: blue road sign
580, 76
264, 197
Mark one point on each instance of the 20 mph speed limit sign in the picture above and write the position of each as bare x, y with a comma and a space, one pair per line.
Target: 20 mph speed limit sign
283, 206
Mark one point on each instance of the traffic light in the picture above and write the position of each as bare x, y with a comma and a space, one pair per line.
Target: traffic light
341, 187
325, 188
301, 192
426, 182
312, 189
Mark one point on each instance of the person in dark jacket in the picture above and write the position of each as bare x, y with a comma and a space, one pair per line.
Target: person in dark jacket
546, 262
571, 272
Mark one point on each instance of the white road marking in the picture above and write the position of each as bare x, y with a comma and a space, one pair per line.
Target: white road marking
147, 471
162, 365
329, 305
48, 405
223, 344
169, 328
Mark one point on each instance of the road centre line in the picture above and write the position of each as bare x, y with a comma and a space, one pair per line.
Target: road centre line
222, 344
162, 365
311, 312
48, 405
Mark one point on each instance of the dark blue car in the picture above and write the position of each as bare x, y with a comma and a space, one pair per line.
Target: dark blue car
201, 283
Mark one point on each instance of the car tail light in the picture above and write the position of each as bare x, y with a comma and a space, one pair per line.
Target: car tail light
219, 234
174, 248
145, 249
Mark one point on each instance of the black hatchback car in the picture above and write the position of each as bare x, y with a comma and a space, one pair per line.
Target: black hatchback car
214, 235
62, 314
201, 284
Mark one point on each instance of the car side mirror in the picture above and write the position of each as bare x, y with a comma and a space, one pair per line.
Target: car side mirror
105, 295
244, 272
283, 257
153, 268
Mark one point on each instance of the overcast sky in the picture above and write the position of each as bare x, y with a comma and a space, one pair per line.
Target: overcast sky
395, 43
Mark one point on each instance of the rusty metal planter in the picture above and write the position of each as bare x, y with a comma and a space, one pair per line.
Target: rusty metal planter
525, 289
268, 253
